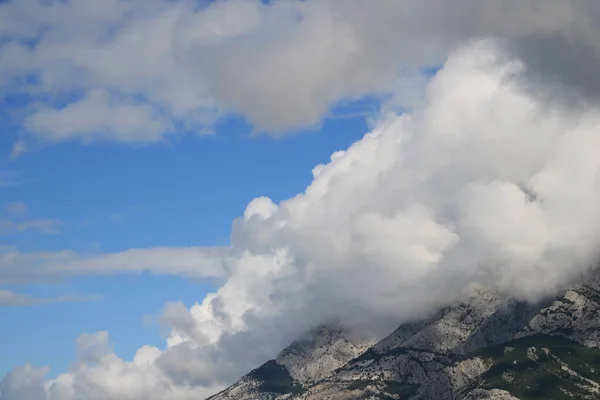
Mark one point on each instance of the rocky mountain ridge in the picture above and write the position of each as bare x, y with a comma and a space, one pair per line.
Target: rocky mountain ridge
487, 347
323, 350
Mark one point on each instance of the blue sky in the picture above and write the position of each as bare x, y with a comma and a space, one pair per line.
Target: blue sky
107, 153
134, 133
109, 198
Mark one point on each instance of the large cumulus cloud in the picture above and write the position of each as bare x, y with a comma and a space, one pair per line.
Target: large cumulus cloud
484, 183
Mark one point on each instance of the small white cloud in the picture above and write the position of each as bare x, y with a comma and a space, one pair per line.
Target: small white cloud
16, 221
18, 149
98, 116
45, 226
10, 179
262, 207
17, 209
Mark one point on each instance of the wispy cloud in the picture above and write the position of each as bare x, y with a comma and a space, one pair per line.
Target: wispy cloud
191, 262
11, 178
17, 209
16, 220
116, 218
18, 149
9, 298
45, 226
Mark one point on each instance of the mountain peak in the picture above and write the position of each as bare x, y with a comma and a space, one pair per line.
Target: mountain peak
320, 351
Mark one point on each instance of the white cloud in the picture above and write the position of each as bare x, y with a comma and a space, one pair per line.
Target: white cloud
192, 262
16, 220
97, 115
100, 376
131, 70
483, 184
45, 226
24, 382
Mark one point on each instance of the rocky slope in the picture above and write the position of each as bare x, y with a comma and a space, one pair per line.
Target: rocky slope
543, 367
487, 347
320, 352
575, 316
418, 360
311, 358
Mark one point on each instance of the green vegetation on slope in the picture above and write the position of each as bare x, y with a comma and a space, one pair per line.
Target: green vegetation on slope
386, 389
275, 378
544, 367
402, 390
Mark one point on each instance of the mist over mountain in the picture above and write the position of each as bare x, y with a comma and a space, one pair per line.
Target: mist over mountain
485, 347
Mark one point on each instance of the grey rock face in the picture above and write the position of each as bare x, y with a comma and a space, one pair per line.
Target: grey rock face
312, 357
246, 388
414, 352
449, 382
437, 359
575, 316
320, 352
494, 394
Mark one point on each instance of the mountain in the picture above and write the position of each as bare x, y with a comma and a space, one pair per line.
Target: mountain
320, 352
312, 357
576, 315
487, 347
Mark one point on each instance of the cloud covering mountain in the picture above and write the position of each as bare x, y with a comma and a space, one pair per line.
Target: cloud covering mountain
489, 179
